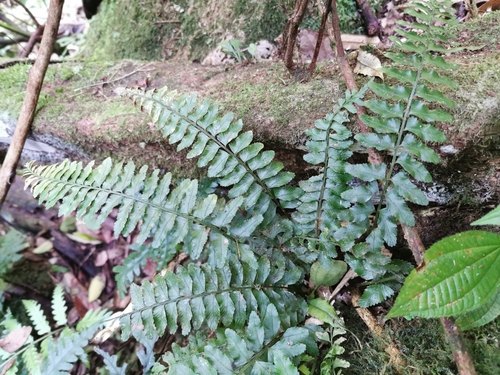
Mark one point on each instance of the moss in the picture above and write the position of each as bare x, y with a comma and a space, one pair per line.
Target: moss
14, 80
124, 30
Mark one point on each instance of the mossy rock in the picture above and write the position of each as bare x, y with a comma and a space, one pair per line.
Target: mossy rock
161, 29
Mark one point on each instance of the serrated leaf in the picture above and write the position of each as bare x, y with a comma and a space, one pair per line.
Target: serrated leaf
421, 110
379, 141
406, 189
381, 125
111, 362
426, 132
414, 167
375, 294
37, 317
459, 274
390, 92
491, 218
399, 209
283, 365
421, 151
320, 309
385, 109
367, 172
59, 306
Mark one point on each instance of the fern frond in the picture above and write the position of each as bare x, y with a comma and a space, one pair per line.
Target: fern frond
323, 211
219, 145
32, 360
110, 362
10, 246
59, 306
199, 296
66, 351
171, 217
261, 347
37, 316
93, 318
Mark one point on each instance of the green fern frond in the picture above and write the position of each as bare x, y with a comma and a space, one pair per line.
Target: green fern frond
219, 145
59, 306
93, 318
32, 360
171, 217
261, 348
66, 351
37, 317
199, 296
110, 362
10, 246
323, 212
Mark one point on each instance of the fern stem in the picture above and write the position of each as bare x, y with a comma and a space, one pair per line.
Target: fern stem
257, 355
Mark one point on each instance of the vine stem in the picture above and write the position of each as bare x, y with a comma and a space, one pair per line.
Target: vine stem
27, 113
452, 333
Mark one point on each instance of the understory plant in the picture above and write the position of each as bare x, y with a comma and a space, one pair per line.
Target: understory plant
259, 240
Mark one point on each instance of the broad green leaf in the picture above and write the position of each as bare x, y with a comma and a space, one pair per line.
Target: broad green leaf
481, 316
320, 309
328, 276
491, 218
459, 274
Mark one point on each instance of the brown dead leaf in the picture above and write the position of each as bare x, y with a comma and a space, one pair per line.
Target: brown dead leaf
15, 339
368, 65
489, 6
353, 42
101, 259
96, 287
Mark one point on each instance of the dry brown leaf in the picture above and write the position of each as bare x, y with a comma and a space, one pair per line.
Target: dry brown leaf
96, 287
15, 339
368, 65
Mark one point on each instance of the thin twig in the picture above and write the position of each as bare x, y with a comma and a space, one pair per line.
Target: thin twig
138, 70
35, 81
321, 31
290, 36
35, 37
29, 13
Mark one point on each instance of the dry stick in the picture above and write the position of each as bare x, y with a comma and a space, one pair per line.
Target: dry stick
291, 34
31, 42
319, 41
460, 354
35, 80
371, 21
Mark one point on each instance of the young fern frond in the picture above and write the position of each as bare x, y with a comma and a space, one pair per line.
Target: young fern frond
199, 296
217, 142
261, 348
10, 246
171, 217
